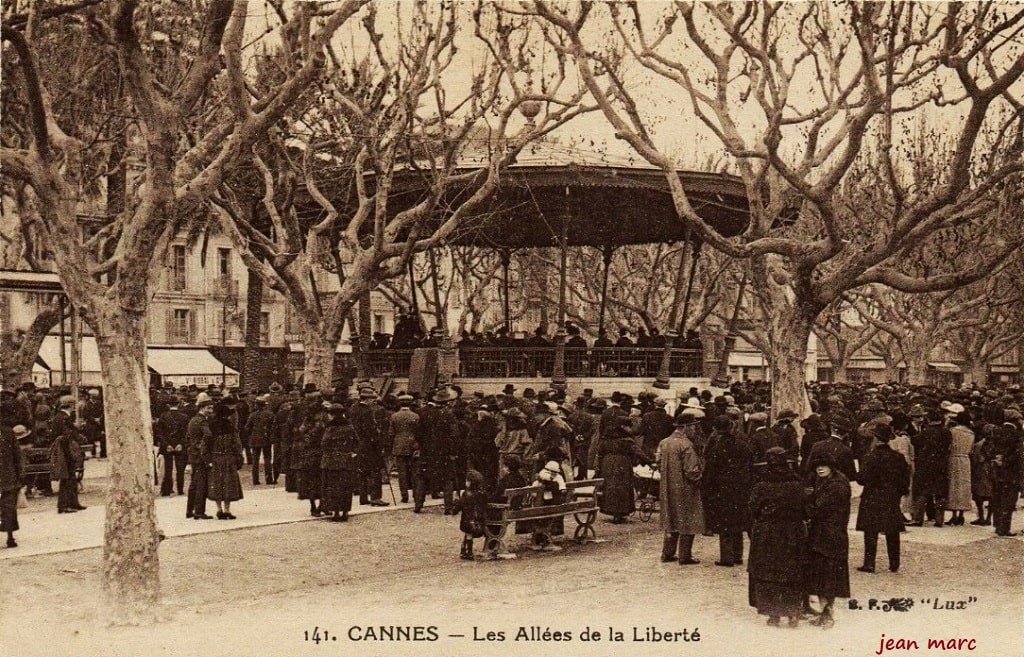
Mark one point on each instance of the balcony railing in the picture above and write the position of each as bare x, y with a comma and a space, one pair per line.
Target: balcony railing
505, 362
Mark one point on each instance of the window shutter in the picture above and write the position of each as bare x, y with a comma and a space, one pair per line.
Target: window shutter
191, 326
169, 327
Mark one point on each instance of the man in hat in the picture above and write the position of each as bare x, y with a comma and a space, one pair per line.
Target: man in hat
931, 469
199, 438
553, 434
885, 476
403, 425
655, 426
584, 426
261, 431
782, 434
171, 429
65, 456
440, 444
682, 514
370, 422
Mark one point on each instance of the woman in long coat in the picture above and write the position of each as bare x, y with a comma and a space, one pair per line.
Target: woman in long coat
682, 516
11, 468
338, 464
727, 482
309, 435
777, 542
619, 452
225, 458
828, 569
959, 498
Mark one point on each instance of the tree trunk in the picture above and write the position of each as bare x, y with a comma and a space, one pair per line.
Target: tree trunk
253, 315
791, 328
365, 334
318, 365
840, 372
917, 369
17, 358
975, 371
131, 568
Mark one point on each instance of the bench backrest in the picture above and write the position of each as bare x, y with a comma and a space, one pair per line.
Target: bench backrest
530, 492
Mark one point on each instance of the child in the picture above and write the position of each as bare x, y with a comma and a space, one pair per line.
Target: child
473, 505
553, 481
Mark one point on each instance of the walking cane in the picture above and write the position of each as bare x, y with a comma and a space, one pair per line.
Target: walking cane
392, 489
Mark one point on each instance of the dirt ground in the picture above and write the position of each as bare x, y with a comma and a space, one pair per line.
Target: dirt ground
259, 591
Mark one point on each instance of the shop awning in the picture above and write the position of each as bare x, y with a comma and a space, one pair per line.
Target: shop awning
747, 359
49, 354
187, 366
952, 368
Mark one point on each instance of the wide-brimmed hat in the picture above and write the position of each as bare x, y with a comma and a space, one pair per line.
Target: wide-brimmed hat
366, 392
917, 410
442, 395
693, 403
509, 389
405, 398
689, 416
955, 409
529, 393
597, 404
66, 401
550, 407
787, 414
20, 432
203, 399
275, 387
310, 389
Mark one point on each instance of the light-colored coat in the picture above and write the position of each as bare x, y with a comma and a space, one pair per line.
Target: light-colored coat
681, 509
959, 497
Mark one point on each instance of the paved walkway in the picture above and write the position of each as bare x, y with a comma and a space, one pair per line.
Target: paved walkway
44, 531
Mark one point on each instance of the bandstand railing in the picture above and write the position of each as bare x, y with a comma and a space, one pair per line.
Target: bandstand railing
518, 362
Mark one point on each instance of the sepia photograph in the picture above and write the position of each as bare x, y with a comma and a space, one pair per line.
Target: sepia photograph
507, 328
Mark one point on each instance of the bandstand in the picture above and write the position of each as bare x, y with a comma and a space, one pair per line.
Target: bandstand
560, 202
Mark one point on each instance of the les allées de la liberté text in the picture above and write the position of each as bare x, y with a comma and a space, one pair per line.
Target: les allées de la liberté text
522, 633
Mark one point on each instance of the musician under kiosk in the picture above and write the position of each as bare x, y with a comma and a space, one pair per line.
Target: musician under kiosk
550, 199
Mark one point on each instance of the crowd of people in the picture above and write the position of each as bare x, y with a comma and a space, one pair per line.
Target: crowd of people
729, 465
410, 333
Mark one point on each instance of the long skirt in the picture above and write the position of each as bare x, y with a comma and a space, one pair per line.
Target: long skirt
617, 498
776, 599
310, 485
338, 487
224, 484
291, 480
9, 510
827, 577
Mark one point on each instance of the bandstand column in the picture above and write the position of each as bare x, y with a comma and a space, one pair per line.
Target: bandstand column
558, 380
412, 286
446, 346
506, 261
606, 253
664, 377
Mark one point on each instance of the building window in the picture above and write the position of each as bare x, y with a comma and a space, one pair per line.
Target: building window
264, 329
180, 326
178, 267
224, 263
378, 323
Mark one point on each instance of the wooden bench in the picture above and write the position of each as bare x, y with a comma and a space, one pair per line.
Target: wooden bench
527, 504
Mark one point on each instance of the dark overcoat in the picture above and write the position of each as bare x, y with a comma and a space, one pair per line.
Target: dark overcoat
618, 456
727, 483
778, 536
885, 476
829, 544
931, 461
339, 465
226, 457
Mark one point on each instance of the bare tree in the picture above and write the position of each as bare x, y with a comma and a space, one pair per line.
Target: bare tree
388, 114
807, 99
841, 337
168, 92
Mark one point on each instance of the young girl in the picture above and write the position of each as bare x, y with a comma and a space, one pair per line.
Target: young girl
473, 505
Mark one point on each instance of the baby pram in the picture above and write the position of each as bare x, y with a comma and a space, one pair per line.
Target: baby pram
646, 483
